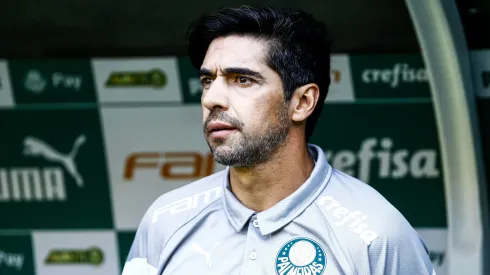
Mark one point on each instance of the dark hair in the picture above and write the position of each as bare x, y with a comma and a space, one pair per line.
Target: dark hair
298, 45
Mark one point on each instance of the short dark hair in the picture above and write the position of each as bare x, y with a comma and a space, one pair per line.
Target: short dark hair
298, 45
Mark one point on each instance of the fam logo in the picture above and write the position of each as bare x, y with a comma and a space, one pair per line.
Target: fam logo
170, 165
187, 203
301, 256
154, 78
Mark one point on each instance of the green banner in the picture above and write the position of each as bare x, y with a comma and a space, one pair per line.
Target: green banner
125, 240
389, 76
190, 82
394, 148
53, 170
483, 105
52, 81
16, 255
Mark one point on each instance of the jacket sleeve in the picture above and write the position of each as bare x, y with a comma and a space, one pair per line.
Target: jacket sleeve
139, 262
399, 251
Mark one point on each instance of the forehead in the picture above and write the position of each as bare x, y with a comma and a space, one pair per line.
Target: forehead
235, 51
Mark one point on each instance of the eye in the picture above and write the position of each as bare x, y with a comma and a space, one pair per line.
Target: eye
242, 80
206, 81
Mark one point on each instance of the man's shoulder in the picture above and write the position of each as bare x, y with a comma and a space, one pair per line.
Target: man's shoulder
206, 183
185, 202
372, 231
356, 210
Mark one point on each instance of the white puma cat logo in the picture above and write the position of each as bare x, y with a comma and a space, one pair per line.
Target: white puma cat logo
196, 247
36, 147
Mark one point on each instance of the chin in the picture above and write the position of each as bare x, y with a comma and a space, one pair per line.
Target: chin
216, 142
221, 141
220, 146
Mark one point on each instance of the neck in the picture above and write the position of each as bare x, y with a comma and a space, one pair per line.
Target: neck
261, 187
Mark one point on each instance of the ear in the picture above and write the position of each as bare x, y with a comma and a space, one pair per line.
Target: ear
304, 100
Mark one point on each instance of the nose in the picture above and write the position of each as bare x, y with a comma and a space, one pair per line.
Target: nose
216, 96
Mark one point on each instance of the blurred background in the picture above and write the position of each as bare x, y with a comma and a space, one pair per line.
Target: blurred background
100, 114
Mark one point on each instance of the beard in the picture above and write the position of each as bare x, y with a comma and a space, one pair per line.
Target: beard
245, 149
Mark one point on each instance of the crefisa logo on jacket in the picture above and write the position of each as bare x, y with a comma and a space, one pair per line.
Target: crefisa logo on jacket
301, 256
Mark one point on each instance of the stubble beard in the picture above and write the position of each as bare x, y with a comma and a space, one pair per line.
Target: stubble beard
249, 150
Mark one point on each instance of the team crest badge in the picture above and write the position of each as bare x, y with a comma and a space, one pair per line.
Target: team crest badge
301, 256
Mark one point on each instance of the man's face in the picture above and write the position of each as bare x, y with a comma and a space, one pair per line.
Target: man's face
244, 112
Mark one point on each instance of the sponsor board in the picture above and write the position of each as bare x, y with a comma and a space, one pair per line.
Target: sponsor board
52, 81
481, 72
124, 241
484, 120
16, 256
84, 253
52, 170
6, 99
137, 80
340, 88
389, 76
149, 159
398, 154
189, 81
341, 80
436, 241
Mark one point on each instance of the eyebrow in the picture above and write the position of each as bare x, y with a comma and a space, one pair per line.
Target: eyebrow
234, 70
204, 72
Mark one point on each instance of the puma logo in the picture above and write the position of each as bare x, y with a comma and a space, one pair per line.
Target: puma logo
197, 248
36, 147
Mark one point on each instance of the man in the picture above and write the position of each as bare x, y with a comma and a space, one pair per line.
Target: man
278, 207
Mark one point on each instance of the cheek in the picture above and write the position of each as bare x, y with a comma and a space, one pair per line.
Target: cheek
205, 113
259, 119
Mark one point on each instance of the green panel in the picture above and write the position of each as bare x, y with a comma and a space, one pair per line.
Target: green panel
189, 80
125, 240
16, 255
389, 76
52, 81
52, 170
484, 118
394, 148
485, 79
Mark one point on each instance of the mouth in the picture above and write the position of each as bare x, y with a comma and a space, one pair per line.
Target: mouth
220, 129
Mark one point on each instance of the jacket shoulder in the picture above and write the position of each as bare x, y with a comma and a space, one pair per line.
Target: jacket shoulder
356, 210
188, 200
